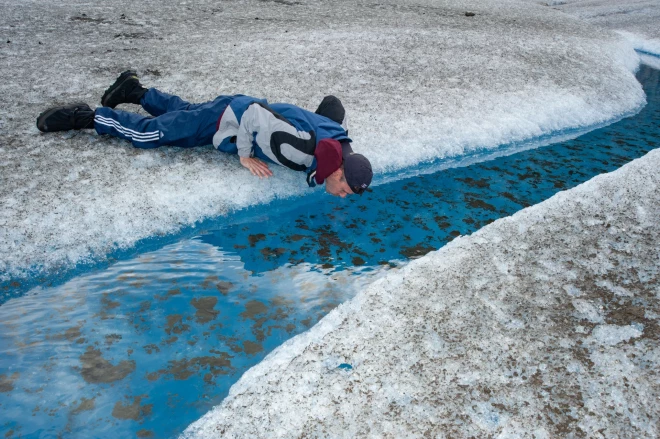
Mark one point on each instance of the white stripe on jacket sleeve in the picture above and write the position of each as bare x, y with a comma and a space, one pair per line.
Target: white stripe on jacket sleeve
257, 119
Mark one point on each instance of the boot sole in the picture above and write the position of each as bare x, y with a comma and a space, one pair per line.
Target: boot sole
41, 120
110, 93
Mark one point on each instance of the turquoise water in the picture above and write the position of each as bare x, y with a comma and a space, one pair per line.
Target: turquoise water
145, 345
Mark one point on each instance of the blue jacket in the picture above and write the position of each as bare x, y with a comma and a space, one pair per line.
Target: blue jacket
280, 133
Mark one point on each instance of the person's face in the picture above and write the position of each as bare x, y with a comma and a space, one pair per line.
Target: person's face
336, 184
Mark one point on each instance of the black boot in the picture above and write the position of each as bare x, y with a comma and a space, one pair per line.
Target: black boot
126, 90
64, 118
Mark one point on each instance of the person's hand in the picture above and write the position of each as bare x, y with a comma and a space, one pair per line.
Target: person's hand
256, 166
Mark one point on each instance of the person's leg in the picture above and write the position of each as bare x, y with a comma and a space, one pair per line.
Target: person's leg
176, 128
157, 103
128, 90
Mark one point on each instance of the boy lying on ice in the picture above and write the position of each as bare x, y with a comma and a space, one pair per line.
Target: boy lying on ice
258, 132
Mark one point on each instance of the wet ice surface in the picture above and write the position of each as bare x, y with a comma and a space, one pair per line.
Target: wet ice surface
542, 324
150, 344
421, 81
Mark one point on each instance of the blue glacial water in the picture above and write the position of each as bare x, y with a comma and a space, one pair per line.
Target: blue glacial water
145, 345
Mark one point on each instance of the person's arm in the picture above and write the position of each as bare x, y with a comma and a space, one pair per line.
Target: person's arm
257, 167
252, 121
276, 137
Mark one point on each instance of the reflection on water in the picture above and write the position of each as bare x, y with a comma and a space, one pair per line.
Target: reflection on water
148, 345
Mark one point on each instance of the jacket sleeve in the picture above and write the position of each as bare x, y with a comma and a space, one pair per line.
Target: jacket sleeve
276, 137
271, 131
251, 122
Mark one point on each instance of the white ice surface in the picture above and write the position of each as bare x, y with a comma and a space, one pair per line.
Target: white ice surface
651, 61
637, 20
540, 325
420, 80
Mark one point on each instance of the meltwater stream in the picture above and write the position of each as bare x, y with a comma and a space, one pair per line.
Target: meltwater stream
149, 344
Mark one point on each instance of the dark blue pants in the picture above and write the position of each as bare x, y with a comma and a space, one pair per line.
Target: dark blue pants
175, 122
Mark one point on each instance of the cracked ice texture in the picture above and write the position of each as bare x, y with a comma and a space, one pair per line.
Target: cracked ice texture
543, 324
421, 81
